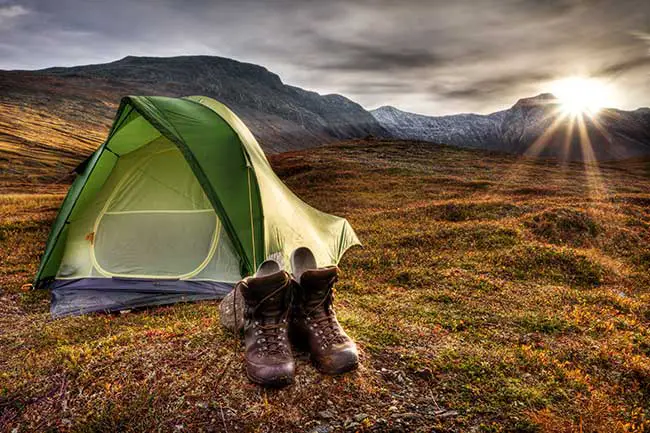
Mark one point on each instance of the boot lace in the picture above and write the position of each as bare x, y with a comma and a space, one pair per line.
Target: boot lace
271, 336
323, 321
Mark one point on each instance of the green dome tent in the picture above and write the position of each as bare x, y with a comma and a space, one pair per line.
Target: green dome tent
178, 204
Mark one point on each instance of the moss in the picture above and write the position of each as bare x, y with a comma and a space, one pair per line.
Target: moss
456, 212
534, 191
535, 322
564, 226
479, 237
556, 265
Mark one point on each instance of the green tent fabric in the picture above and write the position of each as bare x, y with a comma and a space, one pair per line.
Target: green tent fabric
178, 204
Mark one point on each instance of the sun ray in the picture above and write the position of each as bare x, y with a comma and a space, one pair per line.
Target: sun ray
568, 139
578, 99
593, 175
522, 165
540, 143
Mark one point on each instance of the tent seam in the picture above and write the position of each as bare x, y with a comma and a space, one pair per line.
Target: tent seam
249, 163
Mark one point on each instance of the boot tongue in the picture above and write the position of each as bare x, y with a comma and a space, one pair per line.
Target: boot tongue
260, 290
318, 282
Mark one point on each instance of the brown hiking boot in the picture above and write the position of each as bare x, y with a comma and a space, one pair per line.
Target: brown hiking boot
267, 299
314, 322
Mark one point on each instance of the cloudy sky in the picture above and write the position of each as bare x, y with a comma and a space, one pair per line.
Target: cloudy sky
436, 57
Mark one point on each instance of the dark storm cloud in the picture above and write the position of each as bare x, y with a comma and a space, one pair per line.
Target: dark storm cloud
358, 56
433, 56
491, 86
642, 62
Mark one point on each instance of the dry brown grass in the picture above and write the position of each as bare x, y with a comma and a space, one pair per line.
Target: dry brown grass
492, 294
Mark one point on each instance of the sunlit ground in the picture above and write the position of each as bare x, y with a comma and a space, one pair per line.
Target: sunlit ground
478, 306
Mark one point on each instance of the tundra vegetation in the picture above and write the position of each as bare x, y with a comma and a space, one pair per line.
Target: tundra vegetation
493, 293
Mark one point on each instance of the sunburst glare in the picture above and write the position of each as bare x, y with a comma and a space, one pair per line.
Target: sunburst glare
580, 95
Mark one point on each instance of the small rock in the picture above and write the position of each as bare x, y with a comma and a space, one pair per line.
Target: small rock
202, 405
425, 373
360, 417
323, 428
352, 426
406, 415
327, 414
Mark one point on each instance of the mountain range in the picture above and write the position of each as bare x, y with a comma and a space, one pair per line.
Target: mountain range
534, 126
52, 118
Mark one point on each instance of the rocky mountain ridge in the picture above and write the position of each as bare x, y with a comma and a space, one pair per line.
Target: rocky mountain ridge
59, 114
533, 126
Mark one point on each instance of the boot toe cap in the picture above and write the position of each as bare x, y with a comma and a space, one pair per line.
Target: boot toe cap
339, 361
273, 375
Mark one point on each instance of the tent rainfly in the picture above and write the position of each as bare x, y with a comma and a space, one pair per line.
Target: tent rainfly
178, 204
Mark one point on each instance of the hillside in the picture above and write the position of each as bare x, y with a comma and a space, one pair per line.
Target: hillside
50, 117
492, 294
534, 127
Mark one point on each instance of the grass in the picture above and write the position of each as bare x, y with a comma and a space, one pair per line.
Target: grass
481, 301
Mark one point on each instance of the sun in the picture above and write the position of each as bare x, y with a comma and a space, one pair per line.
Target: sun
580, 95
